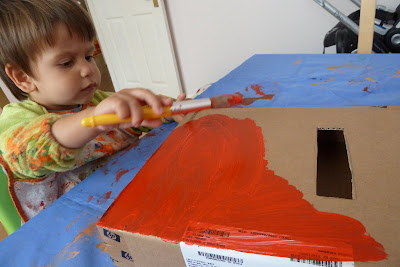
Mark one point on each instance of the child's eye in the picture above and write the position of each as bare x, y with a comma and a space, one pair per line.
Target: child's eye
66, 63
88, 58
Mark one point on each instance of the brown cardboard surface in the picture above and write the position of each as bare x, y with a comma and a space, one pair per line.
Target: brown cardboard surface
3, 99
3, 233
290, 137
143, 250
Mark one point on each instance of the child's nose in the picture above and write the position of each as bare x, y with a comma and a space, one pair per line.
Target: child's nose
86, 68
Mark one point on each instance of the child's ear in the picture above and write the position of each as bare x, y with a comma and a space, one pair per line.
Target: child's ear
22, 80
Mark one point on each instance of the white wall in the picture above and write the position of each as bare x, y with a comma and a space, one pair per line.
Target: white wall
212, 37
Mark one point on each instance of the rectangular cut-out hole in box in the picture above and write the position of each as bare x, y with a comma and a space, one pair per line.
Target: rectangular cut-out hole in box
334, 177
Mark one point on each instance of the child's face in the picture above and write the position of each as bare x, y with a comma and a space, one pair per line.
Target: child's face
66, 74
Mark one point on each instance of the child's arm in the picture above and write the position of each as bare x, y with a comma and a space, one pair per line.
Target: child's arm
69, 132
27, 135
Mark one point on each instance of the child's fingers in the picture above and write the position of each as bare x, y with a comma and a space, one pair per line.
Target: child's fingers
129, 103
125, 105
181, 97
150, 98
178, 118
152, 123
166, 101
135, 110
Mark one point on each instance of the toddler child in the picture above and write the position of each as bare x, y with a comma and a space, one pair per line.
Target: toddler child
46, 60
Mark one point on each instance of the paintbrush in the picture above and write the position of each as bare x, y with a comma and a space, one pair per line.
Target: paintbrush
178, 107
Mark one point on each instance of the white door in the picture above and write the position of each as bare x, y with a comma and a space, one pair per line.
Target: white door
136, 44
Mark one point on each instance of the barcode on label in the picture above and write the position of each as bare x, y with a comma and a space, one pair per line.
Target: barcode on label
320, 263
216, 232
217, 257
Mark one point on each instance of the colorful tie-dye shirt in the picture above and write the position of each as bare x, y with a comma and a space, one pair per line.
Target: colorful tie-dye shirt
39, 169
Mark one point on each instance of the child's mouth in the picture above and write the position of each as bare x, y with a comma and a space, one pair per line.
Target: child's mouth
90, 87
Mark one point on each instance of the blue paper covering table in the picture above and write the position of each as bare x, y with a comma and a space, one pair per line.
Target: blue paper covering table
65, 235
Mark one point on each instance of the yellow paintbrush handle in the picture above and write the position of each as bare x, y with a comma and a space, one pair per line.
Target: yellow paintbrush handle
105, 119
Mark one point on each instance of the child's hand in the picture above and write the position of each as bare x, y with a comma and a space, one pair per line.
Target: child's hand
128, 103
178, 118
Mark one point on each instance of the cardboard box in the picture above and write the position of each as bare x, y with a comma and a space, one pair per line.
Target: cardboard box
312, 179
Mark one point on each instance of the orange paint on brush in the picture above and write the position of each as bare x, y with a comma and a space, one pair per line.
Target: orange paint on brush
211, 174
235, 99
297, 62
251, 100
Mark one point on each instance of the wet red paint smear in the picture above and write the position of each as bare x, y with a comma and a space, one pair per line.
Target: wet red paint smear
90, 198
257, 88
212, 171
104, 198
120, 173
366, 89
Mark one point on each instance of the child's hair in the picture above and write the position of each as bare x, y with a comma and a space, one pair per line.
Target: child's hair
26, 29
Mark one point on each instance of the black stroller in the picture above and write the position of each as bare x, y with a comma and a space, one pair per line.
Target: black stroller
345, 34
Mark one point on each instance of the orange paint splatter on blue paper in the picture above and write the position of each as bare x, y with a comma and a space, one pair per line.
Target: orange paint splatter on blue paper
104, 198
258, 89
73, 254
120, 173
102, 246
88, 231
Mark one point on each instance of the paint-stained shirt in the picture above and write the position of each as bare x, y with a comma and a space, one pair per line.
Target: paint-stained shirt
39, 169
